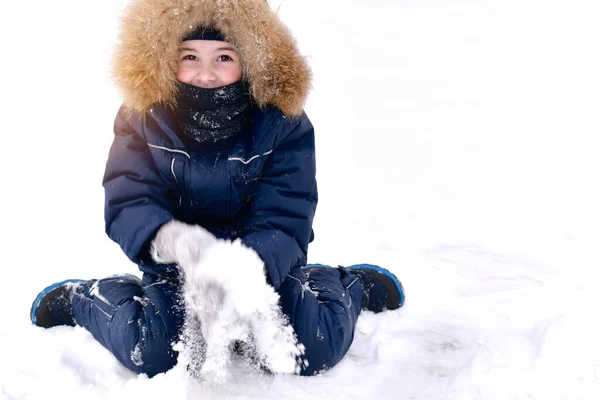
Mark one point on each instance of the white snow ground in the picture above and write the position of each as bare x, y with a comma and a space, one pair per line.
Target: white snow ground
456, 146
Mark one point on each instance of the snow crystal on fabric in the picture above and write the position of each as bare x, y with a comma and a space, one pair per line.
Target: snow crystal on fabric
136, 356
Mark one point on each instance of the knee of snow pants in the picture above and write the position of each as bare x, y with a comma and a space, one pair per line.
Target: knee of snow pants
136, 320
323, 308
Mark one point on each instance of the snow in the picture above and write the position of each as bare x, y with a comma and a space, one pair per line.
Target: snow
456, 146
225, 289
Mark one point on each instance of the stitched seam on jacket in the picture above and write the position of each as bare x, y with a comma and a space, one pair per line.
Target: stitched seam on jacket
173, 169
246, 162
170, 150
87, 299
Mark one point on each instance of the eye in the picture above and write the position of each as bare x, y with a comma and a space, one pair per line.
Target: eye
190, 57
224, 58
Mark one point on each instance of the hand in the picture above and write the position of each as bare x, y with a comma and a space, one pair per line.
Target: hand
180, 243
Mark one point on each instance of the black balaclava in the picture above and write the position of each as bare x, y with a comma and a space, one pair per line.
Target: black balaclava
209, 116
212, 115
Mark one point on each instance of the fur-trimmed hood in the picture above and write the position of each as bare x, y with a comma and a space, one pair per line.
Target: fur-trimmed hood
146, 59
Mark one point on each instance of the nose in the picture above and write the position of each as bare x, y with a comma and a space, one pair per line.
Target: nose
205, 78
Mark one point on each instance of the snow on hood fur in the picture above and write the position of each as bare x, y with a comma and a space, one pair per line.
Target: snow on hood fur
146, 59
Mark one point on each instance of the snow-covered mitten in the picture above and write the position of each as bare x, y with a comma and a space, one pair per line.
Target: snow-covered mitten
180, 243
228, 293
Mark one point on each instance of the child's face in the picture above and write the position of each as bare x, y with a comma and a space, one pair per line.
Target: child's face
208, 63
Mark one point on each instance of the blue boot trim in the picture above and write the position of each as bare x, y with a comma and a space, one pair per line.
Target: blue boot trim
384, 272
316, 265
39, 297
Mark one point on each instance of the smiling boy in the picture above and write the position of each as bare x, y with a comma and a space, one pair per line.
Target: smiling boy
212, 142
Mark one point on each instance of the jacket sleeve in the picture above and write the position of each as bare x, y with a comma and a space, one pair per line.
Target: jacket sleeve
137, 200
280, 224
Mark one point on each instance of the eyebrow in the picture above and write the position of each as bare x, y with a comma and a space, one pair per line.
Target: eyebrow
226, 48
218, 49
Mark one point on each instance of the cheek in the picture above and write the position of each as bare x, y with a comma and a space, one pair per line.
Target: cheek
184, 75
232, 75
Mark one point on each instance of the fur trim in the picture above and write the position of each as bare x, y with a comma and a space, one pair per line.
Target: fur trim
145, 62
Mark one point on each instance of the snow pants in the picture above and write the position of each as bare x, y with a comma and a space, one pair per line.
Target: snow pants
139, 320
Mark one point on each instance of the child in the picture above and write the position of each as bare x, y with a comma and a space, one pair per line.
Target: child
212, 140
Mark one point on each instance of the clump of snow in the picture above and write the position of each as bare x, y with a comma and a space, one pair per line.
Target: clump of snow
136, 356
228, 300
95, 291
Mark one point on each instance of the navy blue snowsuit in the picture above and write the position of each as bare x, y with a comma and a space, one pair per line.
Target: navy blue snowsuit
260, 187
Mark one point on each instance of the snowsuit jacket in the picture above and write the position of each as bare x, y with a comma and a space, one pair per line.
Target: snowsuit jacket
262, 189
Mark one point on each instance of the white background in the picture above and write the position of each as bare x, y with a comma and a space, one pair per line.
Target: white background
456, 145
